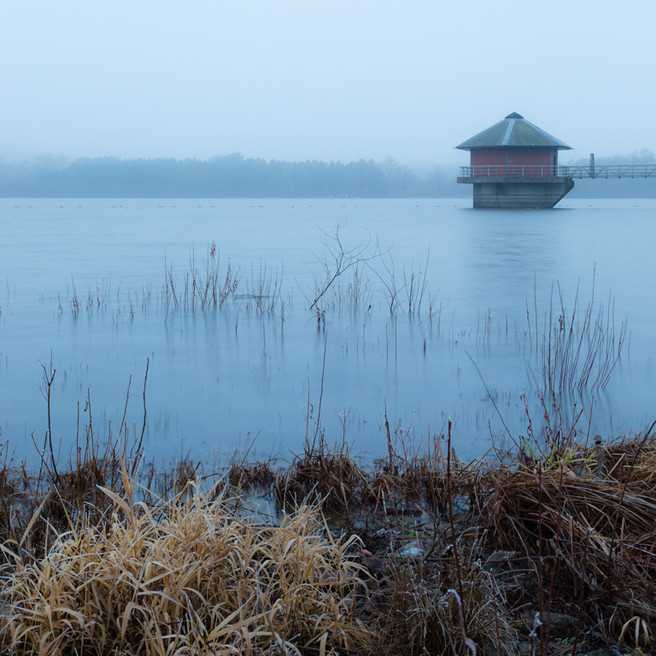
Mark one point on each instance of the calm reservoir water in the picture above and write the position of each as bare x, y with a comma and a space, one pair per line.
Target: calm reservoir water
481, 302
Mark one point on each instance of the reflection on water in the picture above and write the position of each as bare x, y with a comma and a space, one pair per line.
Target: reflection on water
103, 286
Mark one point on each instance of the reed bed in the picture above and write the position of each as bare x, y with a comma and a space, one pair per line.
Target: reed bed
201, 290
578, 348
345, 283
325, 474
247, 476
549, 551
567, 531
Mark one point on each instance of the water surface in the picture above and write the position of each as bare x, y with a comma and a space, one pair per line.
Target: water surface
84, 283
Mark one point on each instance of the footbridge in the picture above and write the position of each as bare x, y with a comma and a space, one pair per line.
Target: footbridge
578, 172
611, 171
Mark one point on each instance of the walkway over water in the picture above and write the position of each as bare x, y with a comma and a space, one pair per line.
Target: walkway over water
610, 171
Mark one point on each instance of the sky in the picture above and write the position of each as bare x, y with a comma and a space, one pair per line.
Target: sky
332, 80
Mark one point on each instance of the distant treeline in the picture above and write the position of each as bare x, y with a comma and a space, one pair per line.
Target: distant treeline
229, 176
234, 176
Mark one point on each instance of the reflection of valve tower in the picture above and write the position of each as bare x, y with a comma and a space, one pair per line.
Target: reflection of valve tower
514, 164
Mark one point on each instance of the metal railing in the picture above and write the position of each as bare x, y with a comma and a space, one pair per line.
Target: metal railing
610, 171
546, 170
523, 170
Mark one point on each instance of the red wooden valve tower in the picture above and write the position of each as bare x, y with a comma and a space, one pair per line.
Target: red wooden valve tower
514, 164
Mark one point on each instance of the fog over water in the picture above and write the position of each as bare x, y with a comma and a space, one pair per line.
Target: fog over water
104, 287
326, 80
88, 283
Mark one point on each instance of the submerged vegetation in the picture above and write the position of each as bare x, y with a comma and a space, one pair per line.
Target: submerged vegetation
346, 280
541, 548
570, 350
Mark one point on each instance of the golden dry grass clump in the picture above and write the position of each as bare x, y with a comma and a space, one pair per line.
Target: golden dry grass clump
190, 576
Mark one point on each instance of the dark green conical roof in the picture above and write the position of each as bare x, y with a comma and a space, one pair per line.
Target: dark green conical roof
513, 132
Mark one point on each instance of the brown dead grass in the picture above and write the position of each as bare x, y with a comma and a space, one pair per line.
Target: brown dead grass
589, 532
424, 608
94, 564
